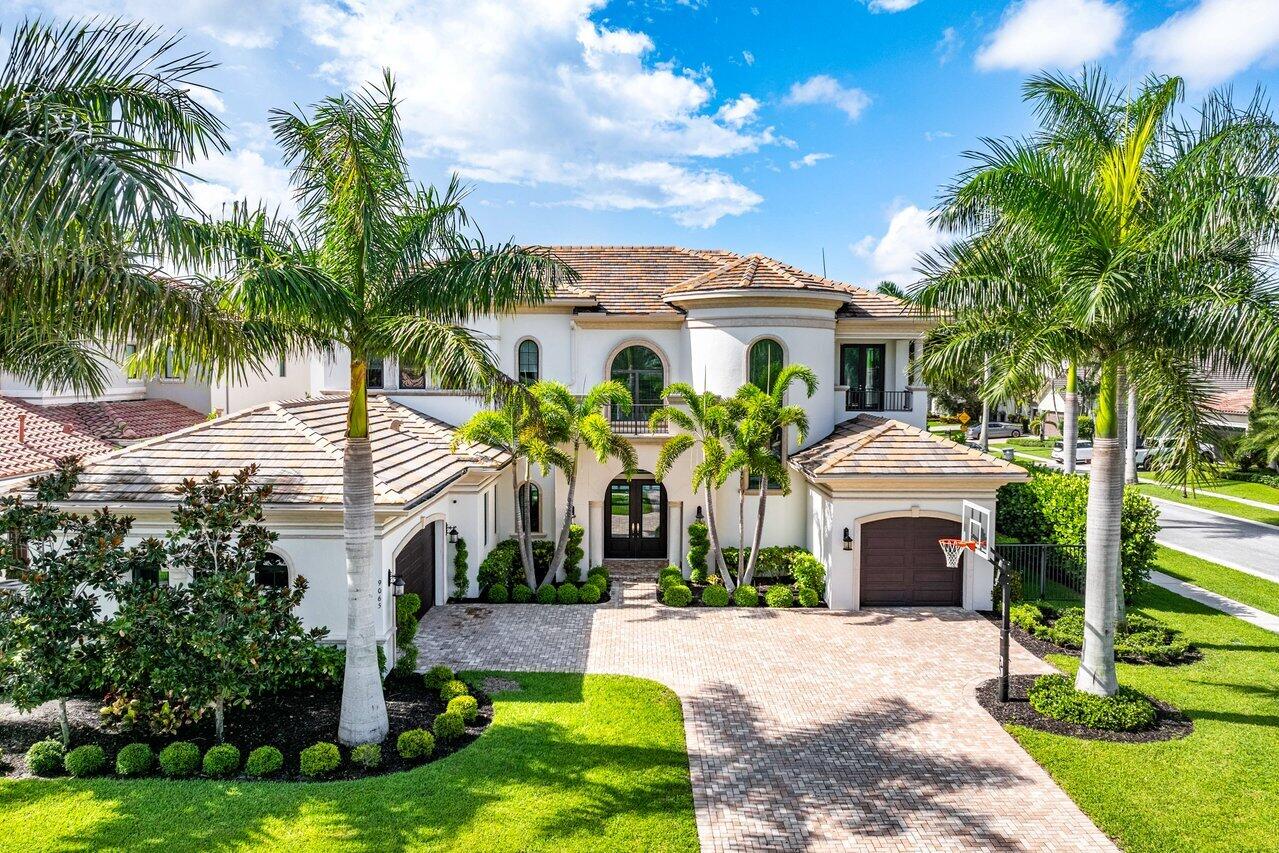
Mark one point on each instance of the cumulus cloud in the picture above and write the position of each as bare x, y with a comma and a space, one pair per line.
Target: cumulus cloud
739, 112
748, 57
1042, 33
891, 5
895, 255
238, 176
226, 21
824, 89
948, 45
934, 135
1214, 40
810, 159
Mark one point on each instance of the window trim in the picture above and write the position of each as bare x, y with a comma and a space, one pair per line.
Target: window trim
537, 352
750, 348
368, 372
622, 346
284, 563
883, 358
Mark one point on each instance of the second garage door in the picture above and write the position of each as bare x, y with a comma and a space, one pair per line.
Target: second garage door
902, 565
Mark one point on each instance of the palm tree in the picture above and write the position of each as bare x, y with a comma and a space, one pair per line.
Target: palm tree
578, 421
1262, 437
1070, 419
380, 266
1154, 235
704, 419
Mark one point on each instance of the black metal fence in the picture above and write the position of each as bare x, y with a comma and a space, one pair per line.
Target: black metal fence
856, 400
1047, 571
635, 422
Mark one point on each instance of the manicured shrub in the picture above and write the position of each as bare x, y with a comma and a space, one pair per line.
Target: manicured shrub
87, 760
573, 552
367, 755
467, 706
497, 593
415, 745
779, 596
453, 689
501, 565
1140, 640
678, 595
221, 761
715, 596
264, 761
448, 726
589, 593
461, 578
599, 574
522, 593
808, 571
668, 576
746, 596
320, 760
775, 561
567, 594
1027, 617
808, 597
180, 758
546, 594
44, 758
136, 759
437, 676
1056, 697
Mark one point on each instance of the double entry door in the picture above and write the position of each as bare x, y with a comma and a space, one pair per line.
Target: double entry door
635, 519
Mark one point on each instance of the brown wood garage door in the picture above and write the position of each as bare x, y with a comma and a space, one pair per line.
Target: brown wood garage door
902, 565
416, 564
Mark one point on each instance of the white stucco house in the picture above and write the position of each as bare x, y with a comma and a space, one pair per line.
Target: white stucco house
872, 490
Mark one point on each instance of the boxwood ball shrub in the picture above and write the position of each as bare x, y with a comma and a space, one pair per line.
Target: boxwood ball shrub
44, 758
467, 706
567, 594
808, 597
589, 593
678, 595
320, 760
448, 726
264, 761
136, 759
808, 571
436, 677
669, 575
1127, 711
454, 689
779, 596
601, 574
546, 595
522, 593
87, 760
498, 594
415, 745
367, 755
715, 596
180, 758
221, 761
746, 596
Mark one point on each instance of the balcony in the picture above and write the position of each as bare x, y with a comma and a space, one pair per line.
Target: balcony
856, 400
635, 422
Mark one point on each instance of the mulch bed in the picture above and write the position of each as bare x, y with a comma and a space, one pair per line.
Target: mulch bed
605, 598
1037, 647
1170, 723
288, 721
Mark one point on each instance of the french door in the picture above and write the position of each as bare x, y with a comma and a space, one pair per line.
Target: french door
635, 519
862, 369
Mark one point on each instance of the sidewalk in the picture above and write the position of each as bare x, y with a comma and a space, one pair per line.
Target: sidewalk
1260, 618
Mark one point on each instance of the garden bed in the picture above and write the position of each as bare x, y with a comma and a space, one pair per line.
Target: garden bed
289, 721
761, 588
1044, 629
1170, 724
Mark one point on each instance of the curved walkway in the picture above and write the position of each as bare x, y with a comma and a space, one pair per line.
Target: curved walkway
806, 730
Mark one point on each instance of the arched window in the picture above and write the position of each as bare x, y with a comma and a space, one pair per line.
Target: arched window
272, 572
765, 363
530, 362
532, 496
640, 370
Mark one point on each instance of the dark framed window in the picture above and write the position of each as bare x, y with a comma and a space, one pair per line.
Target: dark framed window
640, 370
130, 350
373, 374
532, 495
171, 366
765, 363
530, 362
272, 572
282, 367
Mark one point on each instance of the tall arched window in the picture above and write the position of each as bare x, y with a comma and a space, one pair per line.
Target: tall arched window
765, 363
532, 495
272, 572
530, 362
640, 370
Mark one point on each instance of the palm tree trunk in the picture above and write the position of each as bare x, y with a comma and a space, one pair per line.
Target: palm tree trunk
717, 553
741, 523
759, 533
1069, 431
63, 723
561, 539
985, 413
1130, 436
1097, 659
1123, 424
363, 717
521, 533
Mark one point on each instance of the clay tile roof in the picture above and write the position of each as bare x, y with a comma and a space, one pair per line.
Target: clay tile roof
870, 446
1234, 402
297, 446
632, 279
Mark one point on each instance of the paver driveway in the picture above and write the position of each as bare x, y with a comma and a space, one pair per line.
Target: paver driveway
807, 730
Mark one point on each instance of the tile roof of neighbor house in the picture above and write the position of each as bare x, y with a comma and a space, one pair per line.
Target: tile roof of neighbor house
50, 433
871, 446
297, 446
635, 279
1234, 402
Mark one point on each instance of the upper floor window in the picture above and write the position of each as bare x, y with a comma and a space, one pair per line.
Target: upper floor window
411, 377
272, 572
530, 362
373, 373
282, 367
130, 350
171, 366
532, 497
765, 363
640, 370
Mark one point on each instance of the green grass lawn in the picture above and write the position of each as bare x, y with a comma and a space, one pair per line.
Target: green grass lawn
1041, 452
1215, 790
1241, 586
1248, 491
1221, 505
570, 762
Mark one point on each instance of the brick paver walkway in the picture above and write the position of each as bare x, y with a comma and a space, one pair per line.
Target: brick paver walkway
807, 730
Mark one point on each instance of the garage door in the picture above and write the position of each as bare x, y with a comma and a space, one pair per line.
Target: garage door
416, 564
902, 565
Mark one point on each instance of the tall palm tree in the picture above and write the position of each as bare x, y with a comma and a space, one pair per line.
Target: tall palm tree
1156, 237
380, 266
1070, 419
577, 422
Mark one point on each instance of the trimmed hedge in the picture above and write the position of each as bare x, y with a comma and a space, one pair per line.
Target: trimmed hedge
437, 676
264, 761
415, 744
746, 596
453, 689
775, 561
678, 595
1140, 640
136, 759
367, 755
546, 594
180, 758
699, 546
84, 761
668, 576
1258, 477
320, 760
221, 761
45, 757
522, 593
808, 571
715, 596
1127, 711
567, 594
589, 593
448, 726
779, 596
467, 706
497, 594
808, 597
600, 577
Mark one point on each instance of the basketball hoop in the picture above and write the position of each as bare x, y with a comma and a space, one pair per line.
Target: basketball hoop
953, 548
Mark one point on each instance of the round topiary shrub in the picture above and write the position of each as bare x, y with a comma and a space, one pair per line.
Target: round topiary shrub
779, 596
448, 726
745, 596
497, 594
136, 759
454, 689
467, 706
436, 677
87, 760
415, 745
221, 761
1056, 697
808, 597
678, 595
668, 576
367, 755
715, 596
320, 760
180, 758
522, 593
264, 761
567, 594
546, 594
44, 758
599, 575
589, 593
698, 575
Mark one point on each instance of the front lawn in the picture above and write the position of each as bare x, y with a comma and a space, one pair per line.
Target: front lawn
1202, 501
1244, 489
1217, 789
570, 762
1241, 586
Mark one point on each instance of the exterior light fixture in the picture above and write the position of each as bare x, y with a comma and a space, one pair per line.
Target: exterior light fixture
396, 582
572, 511
848, 540
698, 517
452, 531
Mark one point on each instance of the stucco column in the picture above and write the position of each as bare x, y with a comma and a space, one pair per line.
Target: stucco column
443, 562
595, 533
675, 535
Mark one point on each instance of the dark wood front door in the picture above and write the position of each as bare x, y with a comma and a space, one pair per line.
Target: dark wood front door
902, 565
416, 564
635, 519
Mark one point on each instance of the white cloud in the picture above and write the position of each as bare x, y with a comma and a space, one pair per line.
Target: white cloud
228, 21
948, 45
241, 175
934, 135
748, 57
208, 98
739, 112
1214, 40
810, 159
891, 5
895, 255
1035, 34
824, 89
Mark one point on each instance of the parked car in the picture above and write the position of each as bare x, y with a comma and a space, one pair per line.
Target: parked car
1083, 452
995, 429
1149, 449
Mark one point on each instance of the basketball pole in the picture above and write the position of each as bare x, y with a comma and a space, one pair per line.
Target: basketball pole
1005, 593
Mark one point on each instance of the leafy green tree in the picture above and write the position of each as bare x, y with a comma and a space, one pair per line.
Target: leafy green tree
1261, 441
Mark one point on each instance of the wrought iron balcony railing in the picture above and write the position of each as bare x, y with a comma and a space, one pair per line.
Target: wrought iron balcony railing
857, 400
635, 422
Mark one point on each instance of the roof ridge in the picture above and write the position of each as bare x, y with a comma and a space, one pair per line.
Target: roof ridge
856, 444
329, 447
202, 425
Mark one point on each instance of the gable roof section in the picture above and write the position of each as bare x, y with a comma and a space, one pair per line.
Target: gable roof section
870, 446
1237, 402
297, 446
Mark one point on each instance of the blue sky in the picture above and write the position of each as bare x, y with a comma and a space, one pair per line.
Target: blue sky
774, 127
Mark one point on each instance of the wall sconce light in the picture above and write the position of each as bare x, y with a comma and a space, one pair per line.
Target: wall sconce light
848, 540
572, 512
698, 516
452, 531
395, 582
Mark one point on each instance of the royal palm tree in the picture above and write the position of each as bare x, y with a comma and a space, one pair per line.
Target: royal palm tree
379, 266
1154, 235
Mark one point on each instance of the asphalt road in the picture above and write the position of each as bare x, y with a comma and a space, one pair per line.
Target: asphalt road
1232, 542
